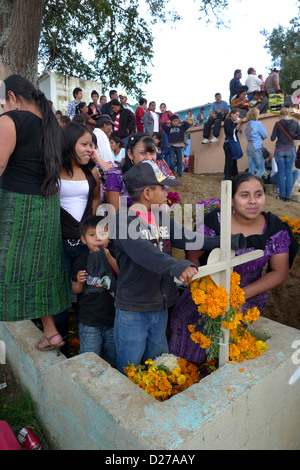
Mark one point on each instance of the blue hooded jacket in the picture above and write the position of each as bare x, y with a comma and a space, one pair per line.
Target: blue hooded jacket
255, 133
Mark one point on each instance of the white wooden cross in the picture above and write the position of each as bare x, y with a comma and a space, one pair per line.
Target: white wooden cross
222, 260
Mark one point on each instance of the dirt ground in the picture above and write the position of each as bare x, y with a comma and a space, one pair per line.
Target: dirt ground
284, 302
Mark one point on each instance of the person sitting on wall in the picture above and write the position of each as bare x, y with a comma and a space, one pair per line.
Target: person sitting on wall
260, 101
241, 102
252, 82
235, 83
217, 114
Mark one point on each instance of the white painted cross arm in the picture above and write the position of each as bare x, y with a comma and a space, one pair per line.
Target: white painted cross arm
216, 265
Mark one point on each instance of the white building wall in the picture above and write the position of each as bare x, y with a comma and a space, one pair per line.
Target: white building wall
59, 89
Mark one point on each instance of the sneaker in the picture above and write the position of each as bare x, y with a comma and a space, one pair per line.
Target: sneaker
214, 139
205, 141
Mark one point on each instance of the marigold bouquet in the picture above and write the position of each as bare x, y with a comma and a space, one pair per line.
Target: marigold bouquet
164, 377
212, 302
294, 226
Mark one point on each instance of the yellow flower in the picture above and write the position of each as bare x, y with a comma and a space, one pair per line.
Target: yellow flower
234, 352
176, 371
261, 346
252, 315
212, 301
181, 379
201, 339
150, 362
233, 322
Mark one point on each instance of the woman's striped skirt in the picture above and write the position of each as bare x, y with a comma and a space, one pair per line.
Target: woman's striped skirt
33, 279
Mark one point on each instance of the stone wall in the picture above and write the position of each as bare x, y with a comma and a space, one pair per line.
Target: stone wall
210, 158
85, 404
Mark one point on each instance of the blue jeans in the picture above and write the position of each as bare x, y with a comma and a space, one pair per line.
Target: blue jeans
178, 153
256, 162
285, 162
99, 340
140, 336
274, 178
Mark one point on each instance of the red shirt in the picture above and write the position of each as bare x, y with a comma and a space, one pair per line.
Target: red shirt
139, 115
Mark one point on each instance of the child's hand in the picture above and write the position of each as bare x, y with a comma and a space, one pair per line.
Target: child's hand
187, 274
81, 276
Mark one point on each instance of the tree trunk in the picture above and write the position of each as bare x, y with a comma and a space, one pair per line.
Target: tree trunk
20, 26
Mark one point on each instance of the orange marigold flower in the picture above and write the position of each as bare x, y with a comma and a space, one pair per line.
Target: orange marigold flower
201, 339
252, 315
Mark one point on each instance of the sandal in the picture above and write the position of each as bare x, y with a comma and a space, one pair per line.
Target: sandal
50, 346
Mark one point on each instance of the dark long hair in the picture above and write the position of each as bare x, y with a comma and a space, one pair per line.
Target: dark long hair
51, 135
246, 176
132, 141
72, 132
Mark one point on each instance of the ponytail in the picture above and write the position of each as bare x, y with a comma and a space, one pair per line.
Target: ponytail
51, 142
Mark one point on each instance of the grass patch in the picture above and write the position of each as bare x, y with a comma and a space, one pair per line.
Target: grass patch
18, 409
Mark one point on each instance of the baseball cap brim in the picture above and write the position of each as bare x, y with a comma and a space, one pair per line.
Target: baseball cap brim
147, 173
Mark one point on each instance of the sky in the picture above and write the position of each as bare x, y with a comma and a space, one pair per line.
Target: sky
193, 60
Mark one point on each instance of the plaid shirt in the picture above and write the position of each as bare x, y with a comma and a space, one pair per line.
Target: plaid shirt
71, 109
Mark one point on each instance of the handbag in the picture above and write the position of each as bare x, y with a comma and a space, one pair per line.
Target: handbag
236, 149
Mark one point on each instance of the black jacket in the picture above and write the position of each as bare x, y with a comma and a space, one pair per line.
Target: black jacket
127, 122
274, 225
147, 268
283, 141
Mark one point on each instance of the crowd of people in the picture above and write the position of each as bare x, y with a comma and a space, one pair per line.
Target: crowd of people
166, 127
248, 102
59, 179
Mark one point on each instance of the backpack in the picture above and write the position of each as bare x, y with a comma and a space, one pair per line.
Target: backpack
276, 103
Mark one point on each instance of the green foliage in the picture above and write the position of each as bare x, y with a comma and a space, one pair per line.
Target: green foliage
119, 32
284, 46
119, 37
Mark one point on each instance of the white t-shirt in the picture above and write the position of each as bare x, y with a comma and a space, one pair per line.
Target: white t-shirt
104, 150
156, 123
73, 197
253, 83
118, 158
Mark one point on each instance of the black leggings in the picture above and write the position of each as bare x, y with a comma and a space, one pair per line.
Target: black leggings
230, 168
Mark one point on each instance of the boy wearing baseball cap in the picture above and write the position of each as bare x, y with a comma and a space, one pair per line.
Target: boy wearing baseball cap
144, 237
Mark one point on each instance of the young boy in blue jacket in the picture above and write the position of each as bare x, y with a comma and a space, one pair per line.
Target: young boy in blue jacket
175, 131
144, 236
